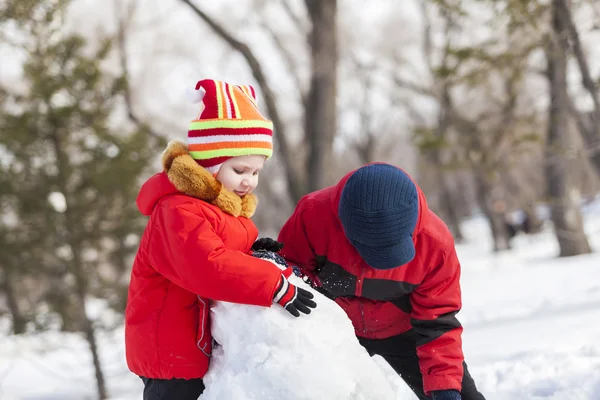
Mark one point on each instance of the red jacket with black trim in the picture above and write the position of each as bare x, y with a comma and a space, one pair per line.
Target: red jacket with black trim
423, 294
194, 249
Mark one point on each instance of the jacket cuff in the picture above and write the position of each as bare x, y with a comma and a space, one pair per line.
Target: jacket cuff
435, 382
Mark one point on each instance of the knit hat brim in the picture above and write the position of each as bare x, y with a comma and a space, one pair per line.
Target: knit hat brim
384, 258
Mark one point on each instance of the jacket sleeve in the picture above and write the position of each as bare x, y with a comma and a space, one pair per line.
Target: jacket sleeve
435, 303
297, 249
184, 248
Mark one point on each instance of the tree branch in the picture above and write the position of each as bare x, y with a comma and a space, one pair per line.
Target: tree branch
507, 115
288, 59
414, 87
123, 22
427, 42
364, 144
300, 26
582, 126
586, 77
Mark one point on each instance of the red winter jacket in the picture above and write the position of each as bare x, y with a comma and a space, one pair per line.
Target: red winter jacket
191, 252
423, 294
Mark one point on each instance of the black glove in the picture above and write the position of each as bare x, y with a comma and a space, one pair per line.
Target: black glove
303, 274
267, 244
292, 298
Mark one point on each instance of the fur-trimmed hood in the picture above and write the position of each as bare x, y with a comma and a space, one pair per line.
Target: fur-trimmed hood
186, 176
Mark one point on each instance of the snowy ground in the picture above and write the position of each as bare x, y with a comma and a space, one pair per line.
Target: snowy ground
531, 328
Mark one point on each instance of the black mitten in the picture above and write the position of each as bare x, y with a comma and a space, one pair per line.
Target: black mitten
267, 244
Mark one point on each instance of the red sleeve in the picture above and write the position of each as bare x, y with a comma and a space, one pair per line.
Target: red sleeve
435, 304
185, 249
294, 236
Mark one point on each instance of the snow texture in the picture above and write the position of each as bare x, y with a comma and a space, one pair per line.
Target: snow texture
266, 353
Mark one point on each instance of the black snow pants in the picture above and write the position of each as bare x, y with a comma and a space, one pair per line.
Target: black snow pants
171, 389
401, 353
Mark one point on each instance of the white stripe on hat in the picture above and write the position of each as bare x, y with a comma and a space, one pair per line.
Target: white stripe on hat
230, 138
226, 95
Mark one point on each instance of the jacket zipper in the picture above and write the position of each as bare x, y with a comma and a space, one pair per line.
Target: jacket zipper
204, 314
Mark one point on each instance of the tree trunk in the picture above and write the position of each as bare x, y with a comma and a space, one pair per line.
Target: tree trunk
564, 198
532, 223
76, 263
563, 10
495, 215
86, 324
18, 320
321, 112
90, 336
448, 207
447, 203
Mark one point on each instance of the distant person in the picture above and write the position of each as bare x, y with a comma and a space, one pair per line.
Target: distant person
197, 243
372, 244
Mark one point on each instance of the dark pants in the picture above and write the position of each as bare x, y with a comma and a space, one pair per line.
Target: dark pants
401, 353
171, 389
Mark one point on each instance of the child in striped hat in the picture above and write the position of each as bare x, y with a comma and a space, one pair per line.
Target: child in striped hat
230, 137
197, 245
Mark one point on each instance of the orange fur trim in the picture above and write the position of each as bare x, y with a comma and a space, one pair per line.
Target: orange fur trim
190, 178
249, 204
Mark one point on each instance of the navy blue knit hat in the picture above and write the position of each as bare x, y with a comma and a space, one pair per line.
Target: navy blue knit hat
379, 208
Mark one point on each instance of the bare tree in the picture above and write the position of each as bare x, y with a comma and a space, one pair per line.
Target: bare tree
434, 154
320, 112
566, 216
124, 18
364, 138
483, 132
480, 140
7, 283
590, 128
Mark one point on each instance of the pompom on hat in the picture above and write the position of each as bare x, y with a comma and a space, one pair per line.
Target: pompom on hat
228, 125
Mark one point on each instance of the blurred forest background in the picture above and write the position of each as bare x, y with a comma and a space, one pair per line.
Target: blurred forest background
492, 105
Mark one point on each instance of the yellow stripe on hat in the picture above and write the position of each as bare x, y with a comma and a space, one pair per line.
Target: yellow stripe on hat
234, 101
231, 152
220, 123
219, 92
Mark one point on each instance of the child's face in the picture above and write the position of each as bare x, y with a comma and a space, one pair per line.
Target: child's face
240, 174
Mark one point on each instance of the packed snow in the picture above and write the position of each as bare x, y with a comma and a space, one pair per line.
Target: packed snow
531, 332
273, 347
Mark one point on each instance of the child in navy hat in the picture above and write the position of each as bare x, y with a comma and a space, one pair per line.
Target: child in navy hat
372, 244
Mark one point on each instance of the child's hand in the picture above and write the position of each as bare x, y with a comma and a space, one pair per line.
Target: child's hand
294, 299
267, 244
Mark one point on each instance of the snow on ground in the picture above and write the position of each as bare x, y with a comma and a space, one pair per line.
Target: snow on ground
531, 320
531, 330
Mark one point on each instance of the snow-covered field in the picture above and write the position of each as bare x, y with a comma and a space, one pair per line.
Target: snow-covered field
532, 326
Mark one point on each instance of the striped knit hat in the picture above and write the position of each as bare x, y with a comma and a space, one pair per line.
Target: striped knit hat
228, 125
